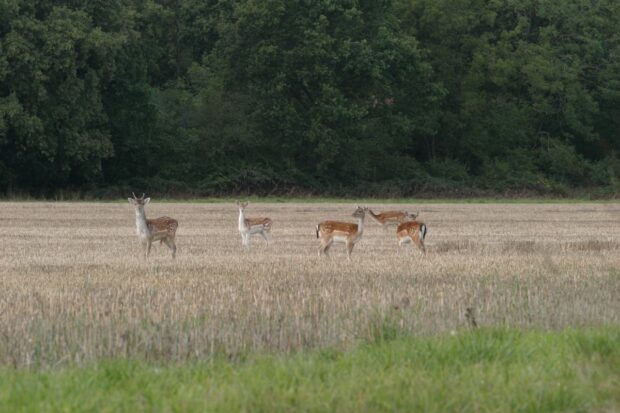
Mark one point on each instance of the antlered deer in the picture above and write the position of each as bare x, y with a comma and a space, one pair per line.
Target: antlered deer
161, 229
412, 231
392, 217
251, 226
341, 232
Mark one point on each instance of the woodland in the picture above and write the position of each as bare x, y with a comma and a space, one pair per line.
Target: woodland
376, 98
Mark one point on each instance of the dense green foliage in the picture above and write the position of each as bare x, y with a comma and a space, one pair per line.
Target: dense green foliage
380, 97
486, 371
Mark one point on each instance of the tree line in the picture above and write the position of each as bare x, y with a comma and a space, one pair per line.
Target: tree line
333, 97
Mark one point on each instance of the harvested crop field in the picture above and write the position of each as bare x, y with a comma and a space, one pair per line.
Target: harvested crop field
75, 288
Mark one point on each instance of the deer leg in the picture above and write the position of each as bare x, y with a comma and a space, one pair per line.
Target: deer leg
148, 248
172, 245
324, 246
328, 246
265, 236
419, 243
350, 246
405, 240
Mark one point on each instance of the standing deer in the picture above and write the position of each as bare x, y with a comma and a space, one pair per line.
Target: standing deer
162, 229
392, 217
412, 231
341, 232
251, 226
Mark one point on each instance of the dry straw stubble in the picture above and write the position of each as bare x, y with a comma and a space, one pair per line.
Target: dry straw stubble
75, 288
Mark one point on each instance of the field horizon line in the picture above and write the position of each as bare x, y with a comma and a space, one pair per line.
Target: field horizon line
322, 200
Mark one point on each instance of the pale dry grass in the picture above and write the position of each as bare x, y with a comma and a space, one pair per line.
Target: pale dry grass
74, 288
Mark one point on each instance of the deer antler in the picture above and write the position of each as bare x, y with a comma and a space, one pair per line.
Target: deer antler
134, 196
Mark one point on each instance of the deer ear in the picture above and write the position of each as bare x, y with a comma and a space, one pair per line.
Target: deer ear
130, 201
147, 200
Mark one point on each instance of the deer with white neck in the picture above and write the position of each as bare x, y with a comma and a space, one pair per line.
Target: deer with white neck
252, 226
341, 232
162, 229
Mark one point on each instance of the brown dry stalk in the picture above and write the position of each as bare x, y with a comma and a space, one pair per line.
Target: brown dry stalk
74, 287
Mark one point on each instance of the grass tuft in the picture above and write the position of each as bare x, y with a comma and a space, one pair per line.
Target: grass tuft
486, 371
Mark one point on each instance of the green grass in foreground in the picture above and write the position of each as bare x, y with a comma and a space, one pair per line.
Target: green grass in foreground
484, 371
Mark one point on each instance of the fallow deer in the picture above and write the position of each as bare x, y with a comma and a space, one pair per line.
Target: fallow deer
161, 229
341, 232
392, 217
412, 231
251, 226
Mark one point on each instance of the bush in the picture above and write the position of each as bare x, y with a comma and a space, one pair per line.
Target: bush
562, 163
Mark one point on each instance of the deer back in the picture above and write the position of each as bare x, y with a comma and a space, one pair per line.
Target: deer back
163, 224
408, 228
264, 222
394, 215
390, 216
337, 227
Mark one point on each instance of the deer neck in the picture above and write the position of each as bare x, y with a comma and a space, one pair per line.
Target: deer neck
360, 225
141, 226
242, 227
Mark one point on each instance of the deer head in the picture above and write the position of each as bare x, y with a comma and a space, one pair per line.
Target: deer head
360, 212
138, 202
412, 216
242, 205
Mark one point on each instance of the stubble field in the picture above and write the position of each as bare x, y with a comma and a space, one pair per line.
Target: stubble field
75, 289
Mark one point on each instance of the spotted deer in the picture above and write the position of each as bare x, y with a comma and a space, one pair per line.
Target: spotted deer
341, 232
251, 226
392, 217
412, 231
162, 229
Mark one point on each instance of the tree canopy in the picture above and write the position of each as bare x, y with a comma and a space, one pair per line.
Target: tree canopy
372, 97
